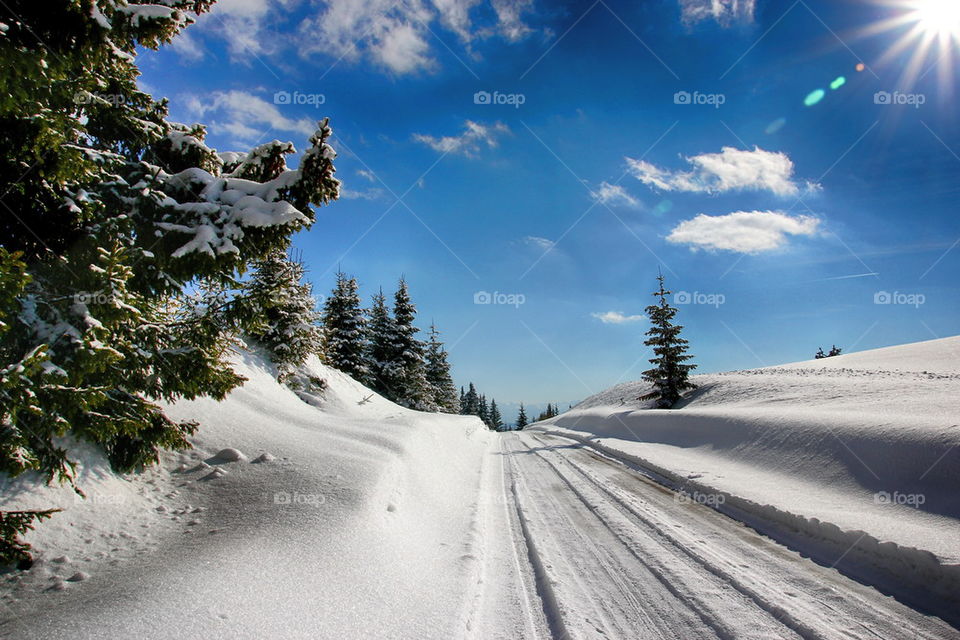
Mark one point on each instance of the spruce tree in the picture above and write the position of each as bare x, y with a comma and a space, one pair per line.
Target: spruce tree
343, 345
288, 327
462, 401
379, 352
443, 391
496, 420
114, 210
670, 374
522, 418
483, 410
471, 402
406, 371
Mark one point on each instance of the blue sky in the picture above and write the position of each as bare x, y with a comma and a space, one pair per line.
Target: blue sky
667, 135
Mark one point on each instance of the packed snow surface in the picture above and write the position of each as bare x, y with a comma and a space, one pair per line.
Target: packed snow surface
333, 513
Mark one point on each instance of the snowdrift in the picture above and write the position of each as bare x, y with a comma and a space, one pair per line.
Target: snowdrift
322, 514
853, 459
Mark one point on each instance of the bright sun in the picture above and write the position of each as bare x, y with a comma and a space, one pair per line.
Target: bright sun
925, 38
941, 17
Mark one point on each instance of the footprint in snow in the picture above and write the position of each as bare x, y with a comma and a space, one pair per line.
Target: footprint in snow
79, 576
213, 475
263, 457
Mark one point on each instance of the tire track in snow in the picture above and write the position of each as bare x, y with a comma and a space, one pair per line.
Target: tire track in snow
861, 613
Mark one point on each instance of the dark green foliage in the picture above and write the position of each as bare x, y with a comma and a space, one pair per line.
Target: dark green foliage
496, 420
522, 420
670, 373
110, 212
344, 338
444, 393
834, 351
288, 318
14, 524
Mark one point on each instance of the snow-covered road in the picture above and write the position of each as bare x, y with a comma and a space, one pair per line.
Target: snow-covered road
581, 546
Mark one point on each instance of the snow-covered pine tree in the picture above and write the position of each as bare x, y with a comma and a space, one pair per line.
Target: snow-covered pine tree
483, 410
496, 420
463, 399
405, 372
471, 402
379, 352
438, 375
344, 342
287, 308
114, 209
522, 420
670, 373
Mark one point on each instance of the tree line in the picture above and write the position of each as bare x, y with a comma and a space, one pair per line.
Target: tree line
376, 346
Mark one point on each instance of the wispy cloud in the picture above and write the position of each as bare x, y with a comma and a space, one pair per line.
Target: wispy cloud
723, 11
246, 116
742, 231
614, 194
363, 194
616, 317
730, 170
470, 142
540, 243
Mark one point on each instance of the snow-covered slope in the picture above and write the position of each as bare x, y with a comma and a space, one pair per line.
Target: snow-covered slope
854, 458
341, 508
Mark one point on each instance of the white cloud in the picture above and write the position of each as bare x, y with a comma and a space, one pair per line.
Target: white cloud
246, 116
614, 194
730, 170
723, 11
368, 194
369, 175
742, 231
393, 35
468, 143
616, 317
187, 47
539, 243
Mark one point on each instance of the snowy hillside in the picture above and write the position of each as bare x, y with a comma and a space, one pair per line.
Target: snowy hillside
330, 515
854, 456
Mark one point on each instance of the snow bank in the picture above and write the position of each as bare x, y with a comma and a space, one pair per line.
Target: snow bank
854, 459
318, 515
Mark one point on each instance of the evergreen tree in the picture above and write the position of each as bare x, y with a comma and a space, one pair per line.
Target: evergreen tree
471, 402
114, 211
496, 420
344, 342
522, 418
463, 399
288, 329
407, 371
670, 373
380, 347
483, 410
444, 393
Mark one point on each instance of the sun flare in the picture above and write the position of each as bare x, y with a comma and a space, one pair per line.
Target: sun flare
940, 17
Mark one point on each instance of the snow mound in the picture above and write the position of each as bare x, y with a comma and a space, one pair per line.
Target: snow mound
854, 458
362, 503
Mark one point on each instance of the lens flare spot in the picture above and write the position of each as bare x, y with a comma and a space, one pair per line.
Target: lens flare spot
860, 67
814, 97
664, 206
839, 82
775, 126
